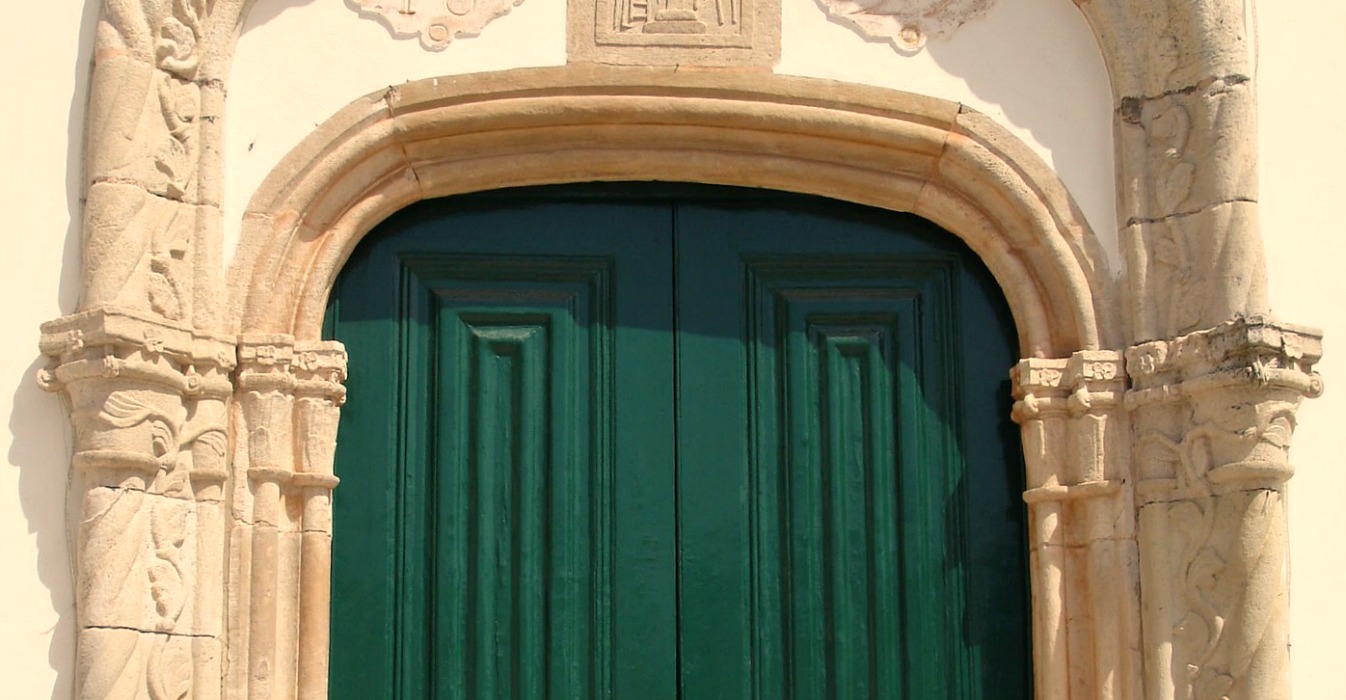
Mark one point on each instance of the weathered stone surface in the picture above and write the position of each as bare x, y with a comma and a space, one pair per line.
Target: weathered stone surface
1157, 47
1081, 523
1213, 414
1177, 484
675, 32
436, 22
1194, 267
905, 25
147, 401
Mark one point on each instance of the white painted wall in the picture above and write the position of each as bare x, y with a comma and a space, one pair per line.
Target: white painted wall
299, 61
1303, 148
1030, 64
45, 50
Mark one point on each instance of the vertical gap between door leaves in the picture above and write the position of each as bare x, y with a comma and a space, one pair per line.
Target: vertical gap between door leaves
677, 448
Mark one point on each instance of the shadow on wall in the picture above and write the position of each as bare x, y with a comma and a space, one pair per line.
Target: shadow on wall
39, 425
1033, 66
1003, 58
264, 11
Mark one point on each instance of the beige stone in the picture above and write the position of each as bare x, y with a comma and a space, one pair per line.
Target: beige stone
203, 572
146, 399
436, 22
743, 33
1214, 412
1074, 425
907, 25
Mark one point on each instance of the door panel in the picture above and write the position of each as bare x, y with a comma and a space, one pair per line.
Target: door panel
825, 438
510, 557
616, 443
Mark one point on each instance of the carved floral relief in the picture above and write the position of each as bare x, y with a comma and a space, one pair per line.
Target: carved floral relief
436, 22
906, 24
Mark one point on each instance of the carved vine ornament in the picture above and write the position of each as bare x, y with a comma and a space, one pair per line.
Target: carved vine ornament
203, 455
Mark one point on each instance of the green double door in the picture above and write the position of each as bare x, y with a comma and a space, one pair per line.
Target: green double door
674, 443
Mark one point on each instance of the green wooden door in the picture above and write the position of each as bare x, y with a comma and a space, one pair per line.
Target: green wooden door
674, 443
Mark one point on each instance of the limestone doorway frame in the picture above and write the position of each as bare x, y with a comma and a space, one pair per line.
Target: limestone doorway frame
898, 151
1155, 443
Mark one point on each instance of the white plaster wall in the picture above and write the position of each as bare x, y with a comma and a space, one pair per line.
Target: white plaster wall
45, 50
1031, 64
1303, 147
299, 61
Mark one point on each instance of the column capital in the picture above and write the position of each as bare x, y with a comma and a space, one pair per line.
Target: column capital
1215, 409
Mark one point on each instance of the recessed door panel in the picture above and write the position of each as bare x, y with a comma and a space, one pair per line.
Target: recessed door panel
490, 547
620, 443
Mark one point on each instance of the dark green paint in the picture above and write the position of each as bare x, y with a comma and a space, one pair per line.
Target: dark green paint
644, 442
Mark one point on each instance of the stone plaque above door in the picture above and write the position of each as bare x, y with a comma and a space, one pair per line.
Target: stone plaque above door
675, 32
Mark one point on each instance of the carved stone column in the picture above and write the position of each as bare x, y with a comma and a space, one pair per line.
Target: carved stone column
148, 404
1185, 121
1083, 556
1213, 412
288, 404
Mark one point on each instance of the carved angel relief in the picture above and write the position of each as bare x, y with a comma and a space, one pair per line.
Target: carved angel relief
906, 24
437, 22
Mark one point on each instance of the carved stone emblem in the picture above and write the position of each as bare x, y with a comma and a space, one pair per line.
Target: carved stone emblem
669, 32
906, 24
437, 22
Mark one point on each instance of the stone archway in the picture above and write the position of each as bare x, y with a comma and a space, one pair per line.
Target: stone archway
898, 151
1156, 524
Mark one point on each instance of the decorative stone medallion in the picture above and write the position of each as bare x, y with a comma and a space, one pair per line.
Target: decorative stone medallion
437, 22
906, 24
673, 32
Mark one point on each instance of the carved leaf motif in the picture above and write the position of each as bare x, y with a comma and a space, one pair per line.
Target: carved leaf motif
436, 22
123, 411
906, 24
177, 49
1169, 126
168, 530
169, 674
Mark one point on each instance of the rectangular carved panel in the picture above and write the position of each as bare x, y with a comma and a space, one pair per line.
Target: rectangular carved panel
675, 32
859, 353
520, 571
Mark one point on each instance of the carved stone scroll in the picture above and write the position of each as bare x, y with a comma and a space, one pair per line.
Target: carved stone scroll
147, 401
1086, 620
906, 24
675, 32
436, 22
289, 394
1213, 415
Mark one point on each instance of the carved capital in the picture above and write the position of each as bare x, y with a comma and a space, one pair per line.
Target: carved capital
131, 380
320, 370
1075, 399
1213, 412
290, 394
148, 401
1215, 409
1072, 415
